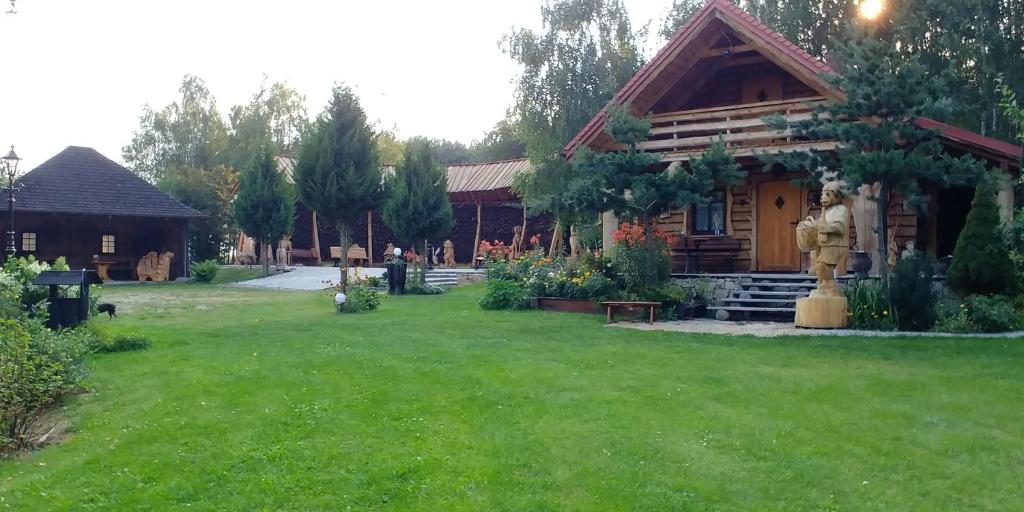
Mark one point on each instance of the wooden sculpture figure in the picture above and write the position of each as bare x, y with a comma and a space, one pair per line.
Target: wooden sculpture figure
516, 249
389, 253
284, 249
827, 237
449, 254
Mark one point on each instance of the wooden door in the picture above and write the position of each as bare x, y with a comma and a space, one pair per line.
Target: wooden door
778, 212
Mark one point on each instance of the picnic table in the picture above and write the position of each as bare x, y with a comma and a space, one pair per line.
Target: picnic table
612, 306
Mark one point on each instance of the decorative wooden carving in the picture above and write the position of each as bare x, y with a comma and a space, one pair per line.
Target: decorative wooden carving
154, 267
389, 253
449, 254
516, 249
284, 249
828, 238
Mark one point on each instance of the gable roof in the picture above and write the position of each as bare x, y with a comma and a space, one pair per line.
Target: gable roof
771, 44
782, 52
81, 180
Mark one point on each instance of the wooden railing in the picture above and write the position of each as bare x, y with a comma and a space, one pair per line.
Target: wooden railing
679, 135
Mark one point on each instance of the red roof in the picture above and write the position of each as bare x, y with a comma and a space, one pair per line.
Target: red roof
952, 133
725, 10
731, 13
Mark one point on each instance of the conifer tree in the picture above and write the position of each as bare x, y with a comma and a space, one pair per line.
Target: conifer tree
631, 184
265, 205
338, 174
417, 207
981, 260
876, 125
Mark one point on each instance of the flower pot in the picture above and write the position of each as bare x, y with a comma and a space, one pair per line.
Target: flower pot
861, 264
396, 278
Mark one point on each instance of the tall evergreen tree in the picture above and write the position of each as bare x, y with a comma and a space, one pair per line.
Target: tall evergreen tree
887, 147
981, 260
626, 182
338, 173
265, 205
417, 207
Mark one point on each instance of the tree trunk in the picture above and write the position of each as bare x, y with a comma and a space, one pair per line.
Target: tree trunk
423, 275
525, 236
882, 217
267, 251
345, 237
369, 238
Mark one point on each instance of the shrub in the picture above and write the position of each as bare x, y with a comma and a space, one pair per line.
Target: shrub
868, 306
204, 271
642, 264
992, 313
427, 289
20, 296
37, 367
502, 294
910, 289
360, 298
981, 260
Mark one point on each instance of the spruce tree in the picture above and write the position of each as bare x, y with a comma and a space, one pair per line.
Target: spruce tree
265, 205
876, 126
981, 260
417, 208
338, 174
631, 184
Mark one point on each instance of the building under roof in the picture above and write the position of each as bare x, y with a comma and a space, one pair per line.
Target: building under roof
87, 208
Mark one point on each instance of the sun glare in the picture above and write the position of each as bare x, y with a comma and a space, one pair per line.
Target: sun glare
870, 9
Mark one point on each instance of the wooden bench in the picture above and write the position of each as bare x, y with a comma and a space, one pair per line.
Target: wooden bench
691, 254
610, 307
356, 255
302, 256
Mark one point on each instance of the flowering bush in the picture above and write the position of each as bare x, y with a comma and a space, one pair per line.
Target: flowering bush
19, 295
359, 297
643, 264
494, 251
535, 241
535, 275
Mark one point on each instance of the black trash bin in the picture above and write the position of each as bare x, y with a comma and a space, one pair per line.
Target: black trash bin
66, 312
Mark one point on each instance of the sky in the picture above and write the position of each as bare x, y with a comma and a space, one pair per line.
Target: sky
78, 72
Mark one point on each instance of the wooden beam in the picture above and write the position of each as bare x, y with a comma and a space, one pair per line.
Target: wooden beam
744, 61
476, 240
316, 241
369, 237
728, 50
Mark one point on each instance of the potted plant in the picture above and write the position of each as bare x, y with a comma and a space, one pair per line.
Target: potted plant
396, 274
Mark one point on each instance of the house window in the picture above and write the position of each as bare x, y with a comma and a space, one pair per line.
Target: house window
28, 242
108, 244
709, 219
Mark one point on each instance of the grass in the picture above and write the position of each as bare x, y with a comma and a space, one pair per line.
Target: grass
259, 400
234, 274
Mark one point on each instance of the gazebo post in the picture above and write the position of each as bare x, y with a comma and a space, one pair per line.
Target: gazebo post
316, 240
476, 241
369, 237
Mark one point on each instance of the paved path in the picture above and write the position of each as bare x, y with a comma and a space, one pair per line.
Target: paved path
773, 329
306, 278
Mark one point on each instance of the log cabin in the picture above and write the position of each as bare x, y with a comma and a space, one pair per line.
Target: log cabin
87, 208
716, 79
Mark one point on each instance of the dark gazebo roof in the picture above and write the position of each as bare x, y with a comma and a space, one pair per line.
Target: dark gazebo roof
80, 180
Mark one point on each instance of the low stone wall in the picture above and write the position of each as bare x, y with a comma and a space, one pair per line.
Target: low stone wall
717, 288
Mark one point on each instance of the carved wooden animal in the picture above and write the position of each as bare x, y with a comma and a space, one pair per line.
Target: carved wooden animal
449, 254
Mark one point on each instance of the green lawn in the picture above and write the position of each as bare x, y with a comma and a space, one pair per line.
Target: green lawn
253, 400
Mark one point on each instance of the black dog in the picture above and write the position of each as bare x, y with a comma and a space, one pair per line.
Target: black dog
109, 309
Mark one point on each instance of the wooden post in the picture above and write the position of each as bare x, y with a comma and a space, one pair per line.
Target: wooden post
525, 235
476, 241
369, 238
316, 241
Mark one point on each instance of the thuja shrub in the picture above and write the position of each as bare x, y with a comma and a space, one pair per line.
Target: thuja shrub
981, 260
204, 271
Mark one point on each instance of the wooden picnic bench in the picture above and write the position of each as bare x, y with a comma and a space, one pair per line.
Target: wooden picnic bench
356, 255
611, 306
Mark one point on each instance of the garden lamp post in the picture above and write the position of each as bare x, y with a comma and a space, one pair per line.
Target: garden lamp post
9, 168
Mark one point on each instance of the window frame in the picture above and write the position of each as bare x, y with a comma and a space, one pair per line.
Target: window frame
34, 239
721, 193
113, 244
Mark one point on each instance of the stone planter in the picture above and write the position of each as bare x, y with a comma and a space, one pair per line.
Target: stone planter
567, 305
861, 264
